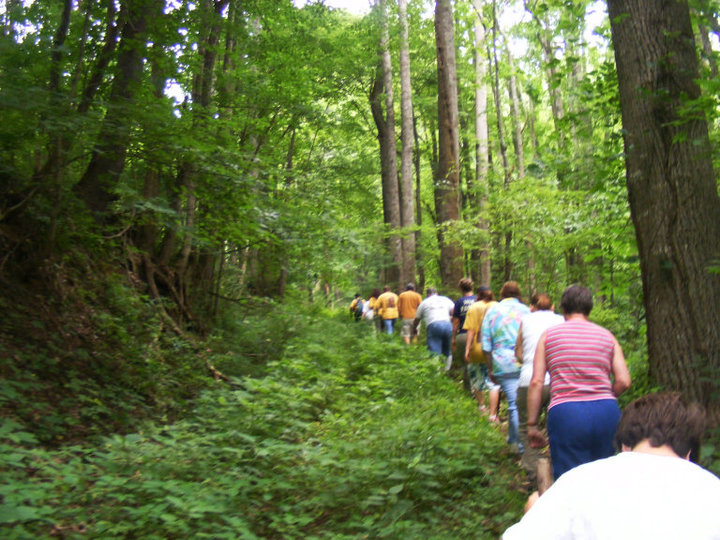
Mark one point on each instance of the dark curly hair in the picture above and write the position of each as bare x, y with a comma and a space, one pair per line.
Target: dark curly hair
663, 418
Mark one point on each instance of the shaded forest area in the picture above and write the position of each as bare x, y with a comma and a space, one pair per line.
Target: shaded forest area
182, 182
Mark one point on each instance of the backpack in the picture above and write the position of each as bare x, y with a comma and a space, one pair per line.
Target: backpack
359, 308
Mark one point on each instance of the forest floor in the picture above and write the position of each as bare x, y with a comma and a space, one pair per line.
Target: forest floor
347, 434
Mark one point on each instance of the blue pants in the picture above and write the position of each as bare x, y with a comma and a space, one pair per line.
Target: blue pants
509, 384
439, 337
389, 325
580, 432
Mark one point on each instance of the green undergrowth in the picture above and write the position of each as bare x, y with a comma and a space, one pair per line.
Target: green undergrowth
348, 435
84, 353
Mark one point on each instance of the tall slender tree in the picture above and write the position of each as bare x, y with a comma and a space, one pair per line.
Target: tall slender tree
385, 123
480, 258
407, 203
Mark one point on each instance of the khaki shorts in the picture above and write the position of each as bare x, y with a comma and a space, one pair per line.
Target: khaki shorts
407, 328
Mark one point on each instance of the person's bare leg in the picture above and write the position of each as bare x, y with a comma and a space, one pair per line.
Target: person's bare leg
480, 398
494, 404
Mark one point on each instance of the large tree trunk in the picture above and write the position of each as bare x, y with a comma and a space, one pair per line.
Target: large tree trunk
480, 258
407, 207
673, 193
108, 158
447, 179
385, 123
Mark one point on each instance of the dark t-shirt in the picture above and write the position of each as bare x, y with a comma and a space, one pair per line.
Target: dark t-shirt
461, 307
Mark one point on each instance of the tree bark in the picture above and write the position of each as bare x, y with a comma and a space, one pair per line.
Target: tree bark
673, 193
447, 179
480, 258
407, 207
508, 233
515, 112
385, 123
108, 157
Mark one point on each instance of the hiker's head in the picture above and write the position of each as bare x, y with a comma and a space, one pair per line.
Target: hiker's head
576, 299
386, 288
410, 287
430, 291
465, 285
662, 418
541, 302
511, 289
375, 293
484, 293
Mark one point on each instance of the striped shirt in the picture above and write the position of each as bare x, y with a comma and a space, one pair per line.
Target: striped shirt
578, 355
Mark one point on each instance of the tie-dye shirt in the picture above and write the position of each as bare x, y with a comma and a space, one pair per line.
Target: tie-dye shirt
499, 334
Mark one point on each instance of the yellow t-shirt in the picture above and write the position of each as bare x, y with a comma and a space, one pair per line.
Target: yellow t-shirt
473, 321
387, 305
408, 303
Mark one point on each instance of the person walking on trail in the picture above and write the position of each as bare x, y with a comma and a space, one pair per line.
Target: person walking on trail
459, 334
434, 312
386, 307
587, 373
498, 336
357, 306
651, 489
532, 327
372, 301
408, 302
475, 359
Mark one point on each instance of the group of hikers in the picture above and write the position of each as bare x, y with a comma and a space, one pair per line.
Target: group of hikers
574, 370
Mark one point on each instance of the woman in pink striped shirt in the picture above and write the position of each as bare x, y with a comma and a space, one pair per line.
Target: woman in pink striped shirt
587, 372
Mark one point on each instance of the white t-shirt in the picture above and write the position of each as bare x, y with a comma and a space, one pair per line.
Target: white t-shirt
532, 326
435, 308
631, 496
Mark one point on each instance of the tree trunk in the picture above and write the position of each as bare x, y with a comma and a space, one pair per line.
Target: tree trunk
108, 157
707, 49
420, 285
447, 179
673, 193
407, 207
508, 234
492, 54
515, 112
385, 123
480, 258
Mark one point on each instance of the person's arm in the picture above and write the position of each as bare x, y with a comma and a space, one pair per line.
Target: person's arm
418, 318
534, 396
416, 323
486, 343
469, 343
620, 371
455, 328
519, 346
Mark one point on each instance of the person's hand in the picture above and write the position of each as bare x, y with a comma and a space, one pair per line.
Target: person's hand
536, 437
532, 499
